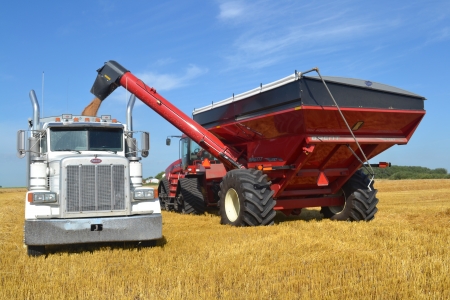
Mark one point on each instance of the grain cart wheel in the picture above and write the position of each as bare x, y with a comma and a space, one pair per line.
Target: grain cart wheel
246, 199
360, 202
163, 193
33, 250
191, 197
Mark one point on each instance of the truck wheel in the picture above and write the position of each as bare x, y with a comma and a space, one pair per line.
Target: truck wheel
360, 202
246, 199
192, 201
163, 193
33, 250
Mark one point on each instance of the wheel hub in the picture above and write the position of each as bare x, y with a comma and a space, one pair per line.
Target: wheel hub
339, 208
336, 209
232, 205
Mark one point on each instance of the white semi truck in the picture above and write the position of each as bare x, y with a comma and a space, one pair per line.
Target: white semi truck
85, 182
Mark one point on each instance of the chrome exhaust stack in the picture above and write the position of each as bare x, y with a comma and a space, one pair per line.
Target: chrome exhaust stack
130, 112
132, 152
36, 117
37, 176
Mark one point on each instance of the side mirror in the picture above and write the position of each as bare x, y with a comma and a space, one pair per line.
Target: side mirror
145, 142
168, 142
21, 144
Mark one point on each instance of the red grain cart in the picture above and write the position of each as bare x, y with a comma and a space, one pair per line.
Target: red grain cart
297, 142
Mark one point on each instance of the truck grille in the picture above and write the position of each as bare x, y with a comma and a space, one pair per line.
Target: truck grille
95, 188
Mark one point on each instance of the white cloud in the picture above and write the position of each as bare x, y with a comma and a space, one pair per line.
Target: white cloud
273, 31
443, 34
166, 82
163, 82
230, 10
164, 61
6, 76
160, 82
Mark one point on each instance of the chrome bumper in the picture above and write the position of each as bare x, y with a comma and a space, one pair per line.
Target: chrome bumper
93, 230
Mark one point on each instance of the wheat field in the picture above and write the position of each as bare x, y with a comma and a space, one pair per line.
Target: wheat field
403, 254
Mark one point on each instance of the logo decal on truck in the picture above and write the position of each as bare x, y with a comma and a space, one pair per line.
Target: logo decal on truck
96, 160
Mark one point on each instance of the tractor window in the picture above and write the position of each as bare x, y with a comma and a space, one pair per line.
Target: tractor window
184, 150
194, 150
192, 153
198, 153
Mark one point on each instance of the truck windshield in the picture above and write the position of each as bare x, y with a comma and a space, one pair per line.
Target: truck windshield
86, 139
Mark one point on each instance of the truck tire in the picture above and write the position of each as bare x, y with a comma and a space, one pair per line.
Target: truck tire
33, 250
246, 199
360, 202
192, 201
163, 193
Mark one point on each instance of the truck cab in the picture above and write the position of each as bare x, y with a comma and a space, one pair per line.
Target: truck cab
85, 182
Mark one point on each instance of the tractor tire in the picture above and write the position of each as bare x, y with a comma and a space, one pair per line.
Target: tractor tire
360, 201
192, 201
33, 250
167, 204
246, 199
176, 203
163, 193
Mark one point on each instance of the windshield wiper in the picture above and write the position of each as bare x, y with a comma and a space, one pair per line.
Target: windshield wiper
71, 150
103, 149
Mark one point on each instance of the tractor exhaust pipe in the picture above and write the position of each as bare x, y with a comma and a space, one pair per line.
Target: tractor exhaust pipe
35, 104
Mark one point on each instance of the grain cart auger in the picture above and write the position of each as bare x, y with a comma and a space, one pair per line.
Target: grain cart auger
294, 143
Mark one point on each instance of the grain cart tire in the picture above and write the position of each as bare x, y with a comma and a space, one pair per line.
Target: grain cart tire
246, 199
192, 201
360, 202
33, 250
163, 193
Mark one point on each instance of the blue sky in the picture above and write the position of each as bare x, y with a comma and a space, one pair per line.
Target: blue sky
195, 52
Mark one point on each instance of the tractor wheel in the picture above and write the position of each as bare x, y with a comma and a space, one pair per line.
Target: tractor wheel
192, 201
167, 204
246, 199
177, 203
360, 202
33, 250
163, 193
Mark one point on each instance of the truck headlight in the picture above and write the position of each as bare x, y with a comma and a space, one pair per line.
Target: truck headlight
42, 197
143, 194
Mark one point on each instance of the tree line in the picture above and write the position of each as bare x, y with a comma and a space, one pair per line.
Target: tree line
393, 173
409, 172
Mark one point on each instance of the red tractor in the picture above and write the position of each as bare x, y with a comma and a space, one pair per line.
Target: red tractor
297, 142
193, 182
